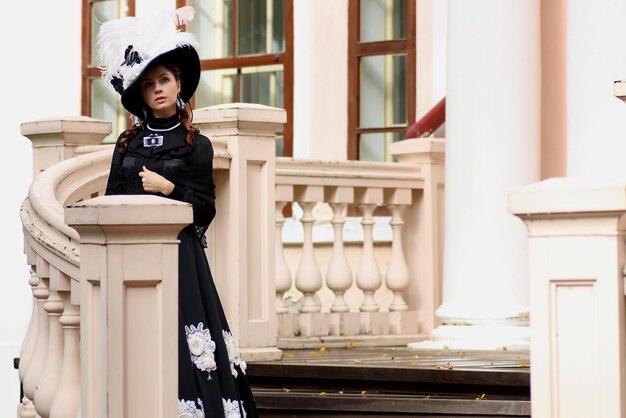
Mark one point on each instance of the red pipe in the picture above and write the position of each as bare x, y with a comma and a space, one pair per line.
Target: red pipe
429, 123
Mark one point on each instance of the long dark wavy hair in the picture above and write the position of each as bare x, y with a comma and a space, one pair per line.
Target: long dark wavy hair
183, 114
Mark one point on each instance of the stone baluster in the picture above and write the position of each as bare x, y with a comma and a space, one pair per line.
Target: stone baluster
308, 275
368, 277
30, 338
49, 378
284, 194
283, 277
339, 275
66, 400
397, 278
29, 411
31, 333
38, 357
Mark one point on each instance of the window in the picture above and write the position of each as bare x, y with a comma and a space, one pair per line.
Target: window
245, 51
246, 55
381, 76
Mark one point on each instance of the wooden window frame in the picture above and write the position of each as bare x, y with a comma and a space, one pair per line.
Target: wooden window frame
357, 50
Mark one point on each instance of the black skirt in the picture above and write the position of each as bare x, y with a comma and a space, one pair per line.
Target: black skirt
211, 374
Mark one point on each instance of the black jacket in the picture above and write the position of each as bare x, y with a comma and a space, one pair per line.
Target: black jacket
189, 167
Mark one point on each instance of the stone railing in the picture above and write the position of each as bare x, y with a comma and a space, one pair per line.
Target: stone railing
101, 340
365, 293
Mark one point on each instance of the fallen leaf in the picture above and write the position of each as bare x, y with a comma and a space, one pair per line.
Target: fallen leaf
286, 390
414, 363
322, 393
363, 393
358, 361
441, 353
481, 397
352, 344
322, 349
450, 367
385, 355
289, 355
505, 348
523, 364
438, 367
416, 356
312, 353
427, 397
340, 392
429, 357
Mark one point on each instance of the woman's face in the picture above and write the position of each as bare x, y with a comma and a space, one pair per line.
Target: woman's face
159, 89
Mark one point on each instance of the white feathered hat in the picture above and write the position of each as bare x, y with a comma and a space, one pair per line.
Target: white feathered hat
129, 46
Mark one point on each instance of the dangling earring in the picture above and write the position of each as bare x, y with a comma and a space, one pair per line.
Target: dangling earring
179, 103
136, 120
145, 113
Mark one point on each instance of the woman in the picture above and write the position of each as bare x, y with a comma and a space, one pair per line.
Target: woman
164, 154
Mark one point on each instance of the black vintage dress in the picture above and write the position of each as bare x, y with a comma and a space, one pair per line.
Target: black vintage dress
211, 374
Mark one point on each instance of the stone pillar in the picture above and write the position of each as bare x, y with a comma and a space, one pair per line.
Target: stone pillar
129, 304
56, 139
576, 231
492, 147
241, 239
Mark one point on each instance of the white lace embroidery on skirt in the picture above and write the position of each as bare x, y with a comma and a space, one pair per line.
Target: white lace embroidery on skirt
201, 347
233, 353
188, 409
232, 408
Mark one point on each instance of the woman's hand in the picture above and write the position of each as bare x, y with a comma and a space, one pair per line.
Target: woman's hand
155, 183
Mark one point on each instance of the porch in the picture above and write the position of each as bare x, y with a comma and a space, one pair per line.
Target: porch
293, 305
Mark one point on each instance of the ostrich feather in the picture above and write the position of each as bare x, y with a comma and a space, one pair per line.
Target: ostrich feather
148, 37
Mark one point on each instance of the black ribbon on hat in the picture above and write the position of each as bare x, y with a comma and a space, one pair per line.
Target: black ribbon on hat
118, 84
131, 57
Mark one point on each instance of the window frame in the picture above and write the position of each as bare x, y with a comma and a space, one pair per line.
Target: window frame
357, 50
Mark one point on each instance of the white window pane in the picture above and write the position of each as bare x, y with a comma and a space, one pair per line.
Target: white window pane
212, 26
382, 20
382, 91
216, 87
263, 85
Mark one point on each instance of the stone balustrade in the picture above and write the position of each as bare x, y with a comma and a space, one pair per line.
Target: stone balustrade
98, 313
370, 295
